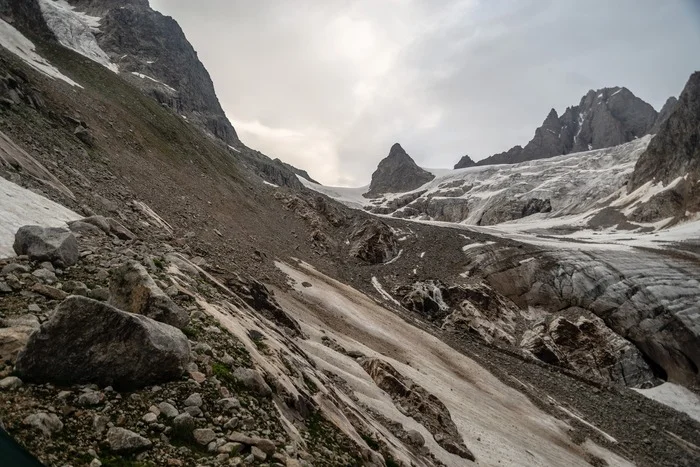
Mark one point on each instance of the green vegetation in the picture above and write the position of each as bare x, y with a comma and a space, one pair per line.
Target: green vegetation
114, 461
371, 442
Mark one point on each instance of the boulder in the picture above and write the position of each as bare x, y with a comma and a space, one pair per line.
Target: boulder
86, 341
373, 242
132, 289
47, 424
53, 244
252, 380
123, 441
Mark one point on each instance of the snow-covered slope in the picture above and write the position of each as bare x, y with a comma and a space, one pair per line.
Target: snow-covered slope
75, 30
15, 42
19, 206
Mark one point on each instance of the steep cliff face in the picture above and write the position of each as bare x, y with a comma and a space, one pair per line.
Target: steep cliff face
151, 49
397, 173
674, 155
604, 118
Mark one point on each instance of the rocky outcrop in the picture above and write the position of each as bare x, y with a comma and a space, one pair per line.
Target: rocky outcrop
666, 111
414, 401
465, 162
132, 289
511, 209
373, 242
674, 152
53, 244
604, 118
141, 40
397, 173
590, 348
86, 341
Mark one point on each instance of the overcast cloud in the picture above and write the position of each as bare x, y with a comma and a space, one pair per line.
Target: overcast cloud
330, 85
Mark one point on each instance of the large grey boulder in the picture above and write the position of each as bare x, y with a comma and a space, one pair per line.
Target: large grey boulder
132, 289
57, 245
123, 441
373, 242
397, 173
86, 341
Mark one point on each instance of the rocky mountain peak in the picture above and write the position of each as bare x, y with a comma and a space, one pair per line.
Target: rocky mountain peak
603, 118
465, 162
397, 173
665, 112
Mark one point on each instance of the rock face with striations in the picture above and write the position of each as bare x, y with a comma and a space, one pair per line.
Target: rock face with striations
604, 118
397, 173
674, 152
141, 40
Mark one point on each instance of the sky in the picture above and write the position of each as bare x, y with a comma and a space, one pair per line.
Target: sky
329, 85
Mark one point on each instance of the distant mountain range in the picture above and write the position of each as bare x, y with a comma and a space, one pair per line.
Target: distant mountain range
603, 119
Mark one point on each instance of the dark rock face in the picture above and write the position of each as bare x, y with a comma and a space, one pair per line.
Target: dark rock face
26, 15
675, 150
141, 40
465, 162
415, 402
132, 289
604, 118
535, 206
588, 347
56, 245
373, 242
666, 111
86, 341
397, 173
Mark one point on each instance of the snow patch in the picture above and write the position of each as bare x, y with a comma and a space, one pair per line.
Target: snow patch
675, 396
75, 30
142, 76
270, 184
378, 286
20, 207
15, 42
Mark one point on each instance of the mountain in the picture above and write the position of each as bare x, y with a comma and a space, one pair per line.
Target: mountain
150, 49
603, 118
161, 304
673, 160
465, 162
397, 173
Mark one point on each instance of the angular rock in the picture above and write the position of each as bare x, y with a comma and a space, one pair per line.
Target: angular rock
49, 292
204, 436
252, 380
195, 400
183, 426
168, 410
132, 289
123, 441
48, 424
56, 245
86, 341
10, 383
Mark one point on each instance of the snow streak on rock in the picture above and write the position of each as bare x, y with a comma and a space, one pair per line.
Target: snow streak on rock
75, 30
15, 42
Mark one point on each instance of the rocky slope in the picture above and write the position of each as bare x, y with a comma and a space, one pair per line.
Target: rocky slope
674, 155
604, 118
397, 173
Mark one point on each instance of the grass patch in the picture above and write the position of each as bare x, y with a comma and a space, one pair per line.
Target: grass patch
310, 384
190, 333
391, 462
371, 442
